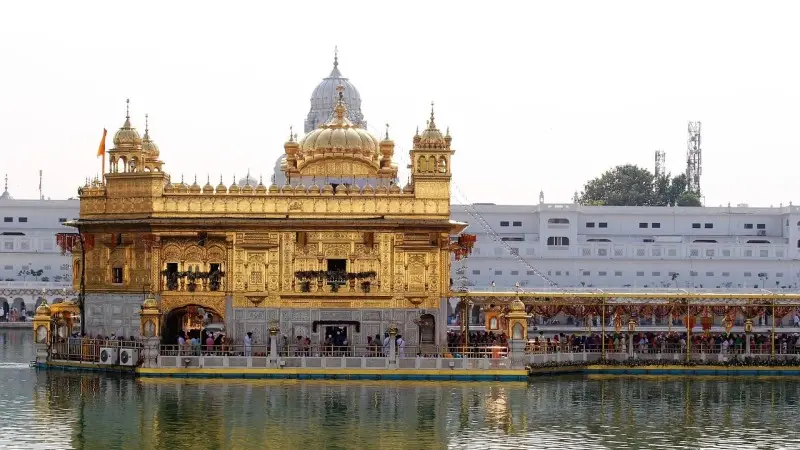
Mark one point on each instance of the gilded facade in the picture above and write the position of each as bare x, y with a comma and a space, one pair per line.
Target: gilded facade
341, 243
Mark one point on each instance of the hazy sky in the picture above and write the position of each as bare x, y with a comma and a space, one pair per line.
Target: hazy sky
538, 95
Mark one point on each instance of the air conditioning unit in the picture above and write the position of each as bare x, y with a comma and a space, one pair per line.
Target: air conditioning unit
129, 356
762, 232
109, 356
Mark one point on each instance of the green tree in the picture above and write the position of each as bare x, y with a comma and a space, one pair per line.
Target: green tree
626, 185
630, 185
689, 199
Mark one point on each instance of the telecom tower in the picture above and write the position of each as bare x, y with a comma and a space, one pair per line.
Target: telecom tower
661, 159
694, 160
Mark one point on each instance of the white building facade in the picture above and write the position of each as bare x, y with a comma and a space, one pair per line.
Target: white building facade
632, 247
27, 245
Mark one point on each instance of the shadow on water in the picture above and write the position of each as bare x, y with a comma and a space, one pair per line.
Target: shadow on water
78, 410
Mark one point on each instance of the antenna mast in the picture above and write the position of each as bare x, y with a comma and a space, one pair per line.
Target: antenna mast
694, 160
661, 159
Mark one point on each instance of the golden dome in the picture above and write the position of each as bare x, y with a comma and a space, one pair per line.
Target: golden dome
148, 146
208, 188
221, 188
260, 188
337, 137
516, 306
43, 309
150, 303
195, 188
431, 136
127, 136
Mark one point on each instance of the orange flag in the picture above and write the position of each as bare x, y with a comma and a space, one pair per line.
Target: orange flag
102, 149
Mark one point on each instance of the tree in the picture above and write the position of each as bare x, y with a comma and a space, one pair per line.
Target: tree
689, 199
626, 185
630, 185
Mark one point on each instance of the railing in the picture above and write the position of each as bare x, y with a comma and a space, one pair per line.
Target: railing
85, 350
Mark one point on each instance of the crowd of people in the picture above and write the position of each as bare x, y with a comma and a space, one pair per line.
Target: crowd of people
12, 314
666, 342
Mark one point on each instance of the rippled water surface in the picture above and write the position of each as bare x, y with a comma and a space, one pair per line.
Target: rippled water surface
56, 410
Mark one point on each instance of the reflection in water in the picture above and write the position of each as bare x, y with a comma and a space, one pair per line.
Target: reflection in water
74, 410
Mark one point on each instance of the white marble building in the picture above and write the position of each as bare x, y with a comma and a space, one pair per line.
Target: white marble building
28, 244
632, 247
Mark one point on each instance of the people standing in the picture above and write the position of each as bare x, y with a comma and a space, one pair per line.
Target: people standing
401, 346
248, 344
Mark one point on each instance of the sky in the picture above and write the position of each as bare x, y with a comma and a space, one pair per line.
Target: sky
537, 95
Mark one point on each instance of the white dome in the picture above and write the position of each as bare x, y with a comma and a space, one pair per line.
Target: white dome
324, 98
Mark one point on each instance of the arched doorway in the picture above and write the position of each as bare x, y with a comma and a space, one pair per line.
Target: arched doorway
427, 329
191, 319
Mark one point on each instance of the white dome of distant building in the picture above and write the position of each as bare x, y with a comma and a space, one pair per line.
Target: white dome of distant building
325, 96
248, 180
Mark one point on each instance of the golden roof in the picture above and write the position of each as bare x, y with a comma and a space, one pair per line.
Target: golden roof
150, 303
65, 306
431, 136
516, 306
127, 136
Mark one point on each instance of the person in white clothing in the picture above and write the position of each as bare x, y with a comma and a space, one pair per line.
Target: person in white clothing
401, 346
248, 344
386, 344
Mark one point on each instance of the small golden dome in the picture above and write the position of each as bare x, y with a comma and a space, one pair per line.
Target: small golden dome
195, 188
314, 189
287, 189
221, 188
260, 188
150, 303
43, 309
328, 189
148, 146
273, 188
300, 188
382, 189
431, 136
127, 136
368, 189
234, 188
208, 188
516, 306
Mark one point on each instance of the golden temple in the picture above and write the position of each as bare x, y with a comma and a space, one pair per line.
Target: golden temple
340, 243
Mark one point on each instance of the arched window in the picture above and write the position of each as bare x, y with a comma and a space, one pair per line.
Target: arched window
442, 164
558, 241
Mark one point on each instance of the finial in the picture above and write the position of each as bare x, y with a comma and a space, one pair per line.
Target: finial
448, 131
220, 178
260, 179
234, 178
336, 56
416, 133
387, 131
146, 124
291, 135
273, 178
6, 186
431, 124
127, 108
181, 178
208, 178
195, 178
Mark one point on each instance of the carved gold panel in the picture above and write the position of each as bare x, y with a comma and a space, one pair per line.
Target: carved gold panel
214, 302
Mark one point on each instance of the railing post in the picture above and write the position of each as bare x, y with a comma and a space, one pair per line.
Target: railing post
273, 347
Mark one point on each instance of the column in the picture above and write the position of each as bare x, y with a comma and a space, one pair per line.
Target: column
273, 347
516, 349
